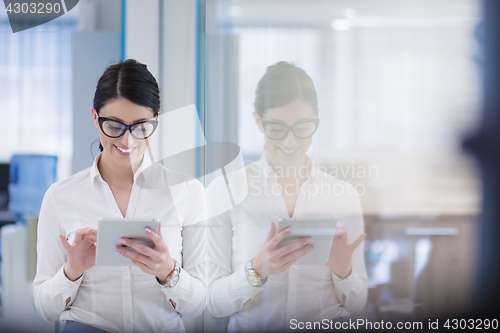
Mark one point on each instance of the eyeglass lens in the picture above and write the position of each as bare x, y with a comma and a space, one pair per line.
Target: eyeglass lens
302, 131
116, 129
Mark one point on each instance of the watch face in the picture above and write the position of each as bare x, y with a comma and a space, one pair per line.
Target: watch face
174, 280
252, 279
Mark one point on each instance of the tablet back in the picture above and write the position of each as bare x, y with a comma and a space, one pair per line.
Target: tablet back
109, 232
321, 230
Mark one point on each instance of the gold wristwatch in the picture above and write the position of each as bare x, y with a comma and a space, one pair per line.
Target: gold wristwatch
252, 276
172, 278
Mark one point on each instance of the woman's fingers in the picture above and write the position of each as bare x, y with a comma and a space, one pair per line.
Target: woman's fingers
159, 230
279, 236
357, 241
291, 247
271, 259
88, 235
139, 264
92, 232
85, 231
149, 260
288, 264
341, 233
156, 238
65, 243
90, 240
294, 256
80, 233
143, 249
145, 260
271, 233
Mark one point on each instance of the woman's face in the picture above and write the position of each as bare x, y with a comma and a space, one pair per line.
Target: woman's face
124, 150
290, 150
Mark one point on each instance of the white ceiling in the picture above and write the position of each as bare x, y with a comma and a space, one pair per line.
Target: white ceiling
323, 12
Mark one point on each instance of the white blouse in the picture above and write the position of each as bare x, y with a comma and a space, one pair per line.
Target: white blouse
122, 298
304, 292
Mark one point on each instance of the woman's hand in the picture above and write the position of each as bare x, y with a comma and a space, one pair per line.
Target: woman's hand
341, 253
155, 261
81, 254
272, 260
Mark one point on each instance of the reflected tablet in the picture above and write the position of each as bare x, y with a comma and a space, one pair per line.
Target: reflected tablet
109, 232
321, 230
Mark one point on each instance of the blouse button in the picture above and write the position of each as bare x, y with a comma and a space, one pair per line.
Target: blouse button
127, 319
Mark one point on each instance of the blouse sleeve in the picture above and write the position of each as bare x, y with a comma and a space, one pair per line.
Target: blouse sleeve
189, 294
53, 291
227, 292
228, 289
352, 291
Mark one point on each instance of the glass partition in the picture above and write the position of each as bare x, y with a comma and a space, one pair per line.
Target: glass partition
398, 86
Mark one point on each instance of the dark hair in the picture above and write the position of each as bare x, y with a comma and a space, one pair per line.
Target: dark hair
131, 80
282, 84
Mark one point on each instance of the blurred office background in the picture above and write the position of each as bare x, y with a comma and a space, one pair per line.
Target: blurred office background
399, 85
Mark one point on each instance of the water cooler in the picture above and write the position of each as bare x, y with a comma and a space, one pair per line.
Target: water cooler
30, 177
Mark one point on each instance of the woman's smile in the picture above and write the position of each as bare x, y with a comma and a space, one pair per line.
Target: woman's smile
290, 151
124, 151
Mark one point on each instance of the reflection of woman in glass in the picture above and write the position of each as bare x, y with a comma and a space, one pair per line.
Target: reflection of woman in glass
150, 295
252, 280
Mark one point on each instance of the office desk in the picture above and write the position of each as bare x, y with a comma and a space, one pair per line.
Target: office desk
420, 266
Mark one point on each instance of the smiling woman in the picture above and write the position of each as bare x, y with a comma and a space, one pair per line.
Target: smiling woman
123, 145
150, 295
256, 282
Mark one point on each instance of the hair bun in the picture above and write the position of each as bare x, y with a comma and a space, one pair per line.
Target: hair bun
283, 64
133, 62
282, 84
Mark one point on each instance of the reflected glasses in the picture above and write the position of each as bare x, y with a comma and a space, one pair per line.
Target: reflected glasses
302, 130
114, 128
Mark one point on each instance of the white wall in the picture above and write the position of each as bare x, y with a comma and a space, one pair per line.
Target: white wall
93, 51
142, 33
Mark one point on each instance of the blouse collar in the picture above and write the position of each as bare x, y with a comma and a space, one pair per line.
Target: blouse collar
94, 170
268, 171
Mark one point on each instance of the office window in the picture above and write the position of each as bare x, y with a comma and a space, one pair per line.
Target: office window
398, 87
35, 90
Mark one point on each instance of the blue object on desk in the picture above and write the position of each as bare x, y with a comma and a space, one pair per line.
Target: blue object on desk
30, 177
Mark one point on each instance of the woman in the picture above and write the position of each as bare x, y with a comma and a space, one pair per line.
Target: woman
138, 298
254, 281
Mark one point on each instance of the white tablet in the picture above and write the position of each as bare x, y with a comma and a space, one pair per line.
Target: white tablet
109, 232
322, 231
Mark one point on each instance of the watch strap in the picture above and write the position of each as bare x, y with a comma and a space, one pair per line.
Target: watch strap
175, 271
249, 270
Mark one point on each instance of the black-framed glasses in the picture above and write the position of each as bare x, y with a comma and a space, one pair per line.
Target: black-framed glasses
114, 128
302, 130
